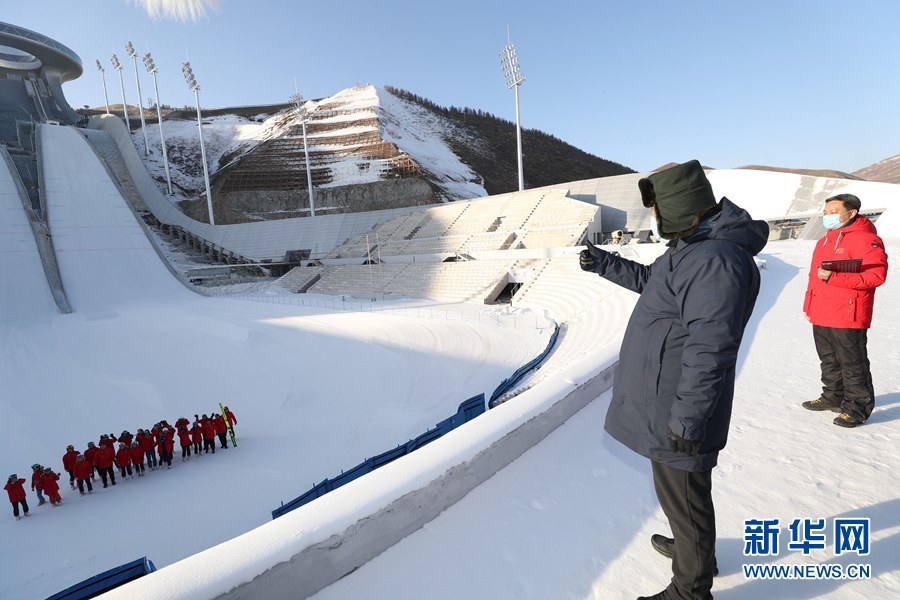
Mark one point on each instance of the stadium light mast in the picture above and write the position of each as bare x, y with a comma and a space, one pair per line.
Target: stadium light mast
137, 80
151, 68
103, 79
118, 67
510, 64
303, 115
195, 87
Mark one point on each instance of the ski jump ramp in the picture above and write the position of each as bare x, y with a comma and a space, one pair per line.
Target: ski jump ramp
24, 294
94, 232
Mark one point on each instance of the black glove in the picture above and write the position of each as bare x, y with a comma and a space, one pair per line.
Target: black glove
587, 258
679, 444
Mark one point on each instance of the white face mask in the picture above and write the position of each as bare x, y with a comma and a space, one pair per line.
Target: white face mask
833, 221
654, 227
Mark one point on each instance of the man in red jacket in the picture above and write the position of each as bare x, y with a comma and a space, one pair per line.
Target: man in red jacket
90, 455
14, 487
49, 480
123, 460
103, 460
83, 473
68, 461
839, 301
36, 471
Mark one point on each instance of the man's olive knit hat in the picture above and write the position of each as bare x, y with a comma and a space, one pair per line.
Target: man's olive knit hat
682, 196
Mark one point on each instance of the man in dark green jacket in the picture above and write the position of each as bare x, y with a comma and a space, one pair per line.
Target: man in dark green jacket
675, 380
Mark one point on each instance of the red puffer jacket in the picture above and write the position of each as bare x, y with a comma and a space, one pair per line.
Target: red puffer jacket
103, 458
15, 490
846, 300
48, 480
82, 469
123, 457
68, 459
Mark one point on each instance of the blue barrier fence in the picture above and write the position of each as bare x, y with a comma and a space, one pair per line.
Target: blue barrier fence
99, 584
467, 411
513, 380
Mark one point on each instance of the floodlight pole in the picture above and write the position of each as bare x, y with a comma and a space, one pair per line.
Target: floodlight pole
137, 80
510, 64
151, 68
303, 114
118, 67
195, 87
103, 79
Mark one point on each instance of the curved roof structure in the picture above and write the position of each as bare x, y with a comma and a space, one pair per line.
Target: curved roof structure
41, 51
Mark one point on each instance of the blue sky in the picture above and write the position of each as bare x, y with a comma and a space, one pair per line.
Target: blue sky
800, 84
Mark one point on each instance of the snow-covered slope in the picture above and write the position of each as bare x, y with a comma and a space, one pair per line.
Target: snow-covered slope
338, 126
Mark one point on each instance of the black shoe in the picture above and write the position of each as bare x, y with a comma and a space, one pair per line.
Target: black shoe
662, 544
820, 404
666, 546
663, 595
848, 420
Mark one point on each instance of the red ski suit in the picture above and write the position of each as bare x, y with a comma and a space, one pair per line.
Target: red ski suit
68, 459
82, 469
123, 457
103, 459
16, 490
48, 480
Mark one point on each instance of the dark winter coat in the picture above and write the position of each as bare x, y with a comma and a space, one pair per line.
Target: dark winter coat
677, 361
846, 300
16, 490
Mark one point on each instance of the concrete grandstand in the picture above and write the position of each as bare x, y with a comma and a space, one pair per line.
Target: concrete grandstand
78, 204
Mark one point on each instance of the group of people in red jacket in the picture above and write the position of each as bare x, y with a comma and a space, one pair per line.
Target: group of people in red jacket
153, 447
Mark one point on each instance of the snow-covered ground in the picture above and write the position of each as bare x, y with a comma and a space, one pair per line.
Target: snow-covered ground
416, 131
318, 390
315, 390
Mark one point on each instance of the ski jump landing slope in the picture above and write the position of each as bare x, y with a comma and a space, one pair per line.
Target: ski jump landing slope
105, 258
24, 293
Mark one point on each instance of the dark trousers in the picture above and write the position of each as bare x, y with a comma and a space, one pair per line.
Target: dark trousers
222, 439
686, 499
16, 504
105, 473
846, 378
185, 452
81, 483
209, 444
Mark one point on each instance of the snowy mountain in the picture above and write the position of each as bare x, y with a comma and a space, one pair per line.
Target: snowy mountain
887, 170
369, 148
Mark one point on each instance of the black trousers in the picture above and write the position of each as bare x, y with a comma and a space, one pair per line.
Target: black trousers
16, 504
686, 499
222, 440
846, 377
81, 483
